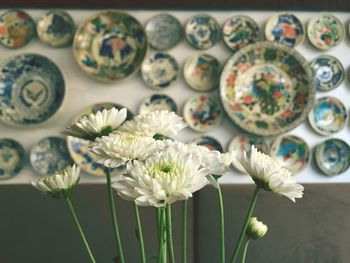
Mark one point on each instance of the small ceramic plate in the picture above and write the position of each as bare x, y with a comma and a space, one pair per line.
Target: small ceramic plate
328, 72
328, 116
79, 149
202, 31
203, 113
56, 28
332, 156
209, 142
325, 31
285, 29
202, 72
17, 29
110, 46
291, 152
32, 89
240, 31
12, 158
163, 31
243, 143
50, 155
157, 102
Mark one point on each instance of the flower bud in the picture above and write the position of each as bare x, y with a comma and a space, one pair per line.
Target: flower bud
256, 229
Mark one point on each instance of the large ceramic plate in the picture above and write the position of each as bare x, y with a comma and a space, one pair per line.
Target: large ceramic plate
110, 46
267, 88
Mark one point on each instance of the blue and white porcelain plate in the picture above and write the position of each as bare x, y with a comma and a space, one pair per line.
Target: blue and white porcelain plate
210, 142
157, 102
12, 158
32, 89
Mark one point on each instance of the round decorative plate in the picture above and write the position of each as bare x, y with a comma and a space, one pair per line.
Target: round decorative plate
157, 102
243, 143
209, 142
159, 70
17, 29
79, 148
239, 31
163, 31
56, 28
285, 29
202, 31
267, 88
202, 72
332, 156
12, 158
328, 116
325, 31
32, 89
50, 155
291, 152
328, 72
110, 46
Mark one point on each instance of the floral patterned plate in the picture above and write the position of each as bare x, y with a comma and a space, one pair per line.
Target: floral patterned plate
12, 158
328, 116
157, 102
332, 156
209, 142
32, 90
110, 46
291, 152
267, 89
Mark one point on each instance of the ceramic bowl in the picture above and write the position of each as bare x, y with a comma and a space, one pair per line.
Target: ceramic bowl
292, 152
332, 156
240, 31
325, 31
110, 46
12, 158
210, 142
157, 102
50, 155
163, 31
267, 89
202, 113
328, 116
32, 90
202, 72
202, 31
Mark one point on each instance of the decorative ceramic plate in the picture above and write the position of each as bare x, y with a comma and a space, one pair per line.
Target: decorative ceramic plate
12, 158
79, 149
202, 72
267, 88
209, 142
17, 29
110, 46
163, 31
291, 152
328, 72
50, 155
56, 28
202, 31
159, 70
332, 156
325, 31
32, 89
240, 31
203, 112
243, 143
157, 102
285, 29
328, 116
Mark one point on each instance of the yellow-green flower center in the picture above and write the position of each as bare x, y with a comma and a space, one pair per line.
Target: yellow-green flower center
163, 169
129, 138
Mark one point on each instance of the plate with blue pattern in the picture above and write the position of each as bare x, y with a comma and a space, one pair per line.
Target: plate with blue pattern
157, 102
210, 142
12, 158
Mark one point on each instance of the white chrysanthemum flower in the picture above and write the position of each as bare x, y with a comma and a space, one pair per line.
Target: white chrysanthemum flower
102, 123
256, 229
161, 122
162, 179
60, 184
267, 173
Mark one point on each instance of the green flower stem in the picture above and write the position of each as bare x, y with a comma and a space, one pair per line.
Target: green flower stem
169, 234
114, 216
139, 233
222, 225
245, 250
76, 221
162, 236
164, 255
184, 231
245, 225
